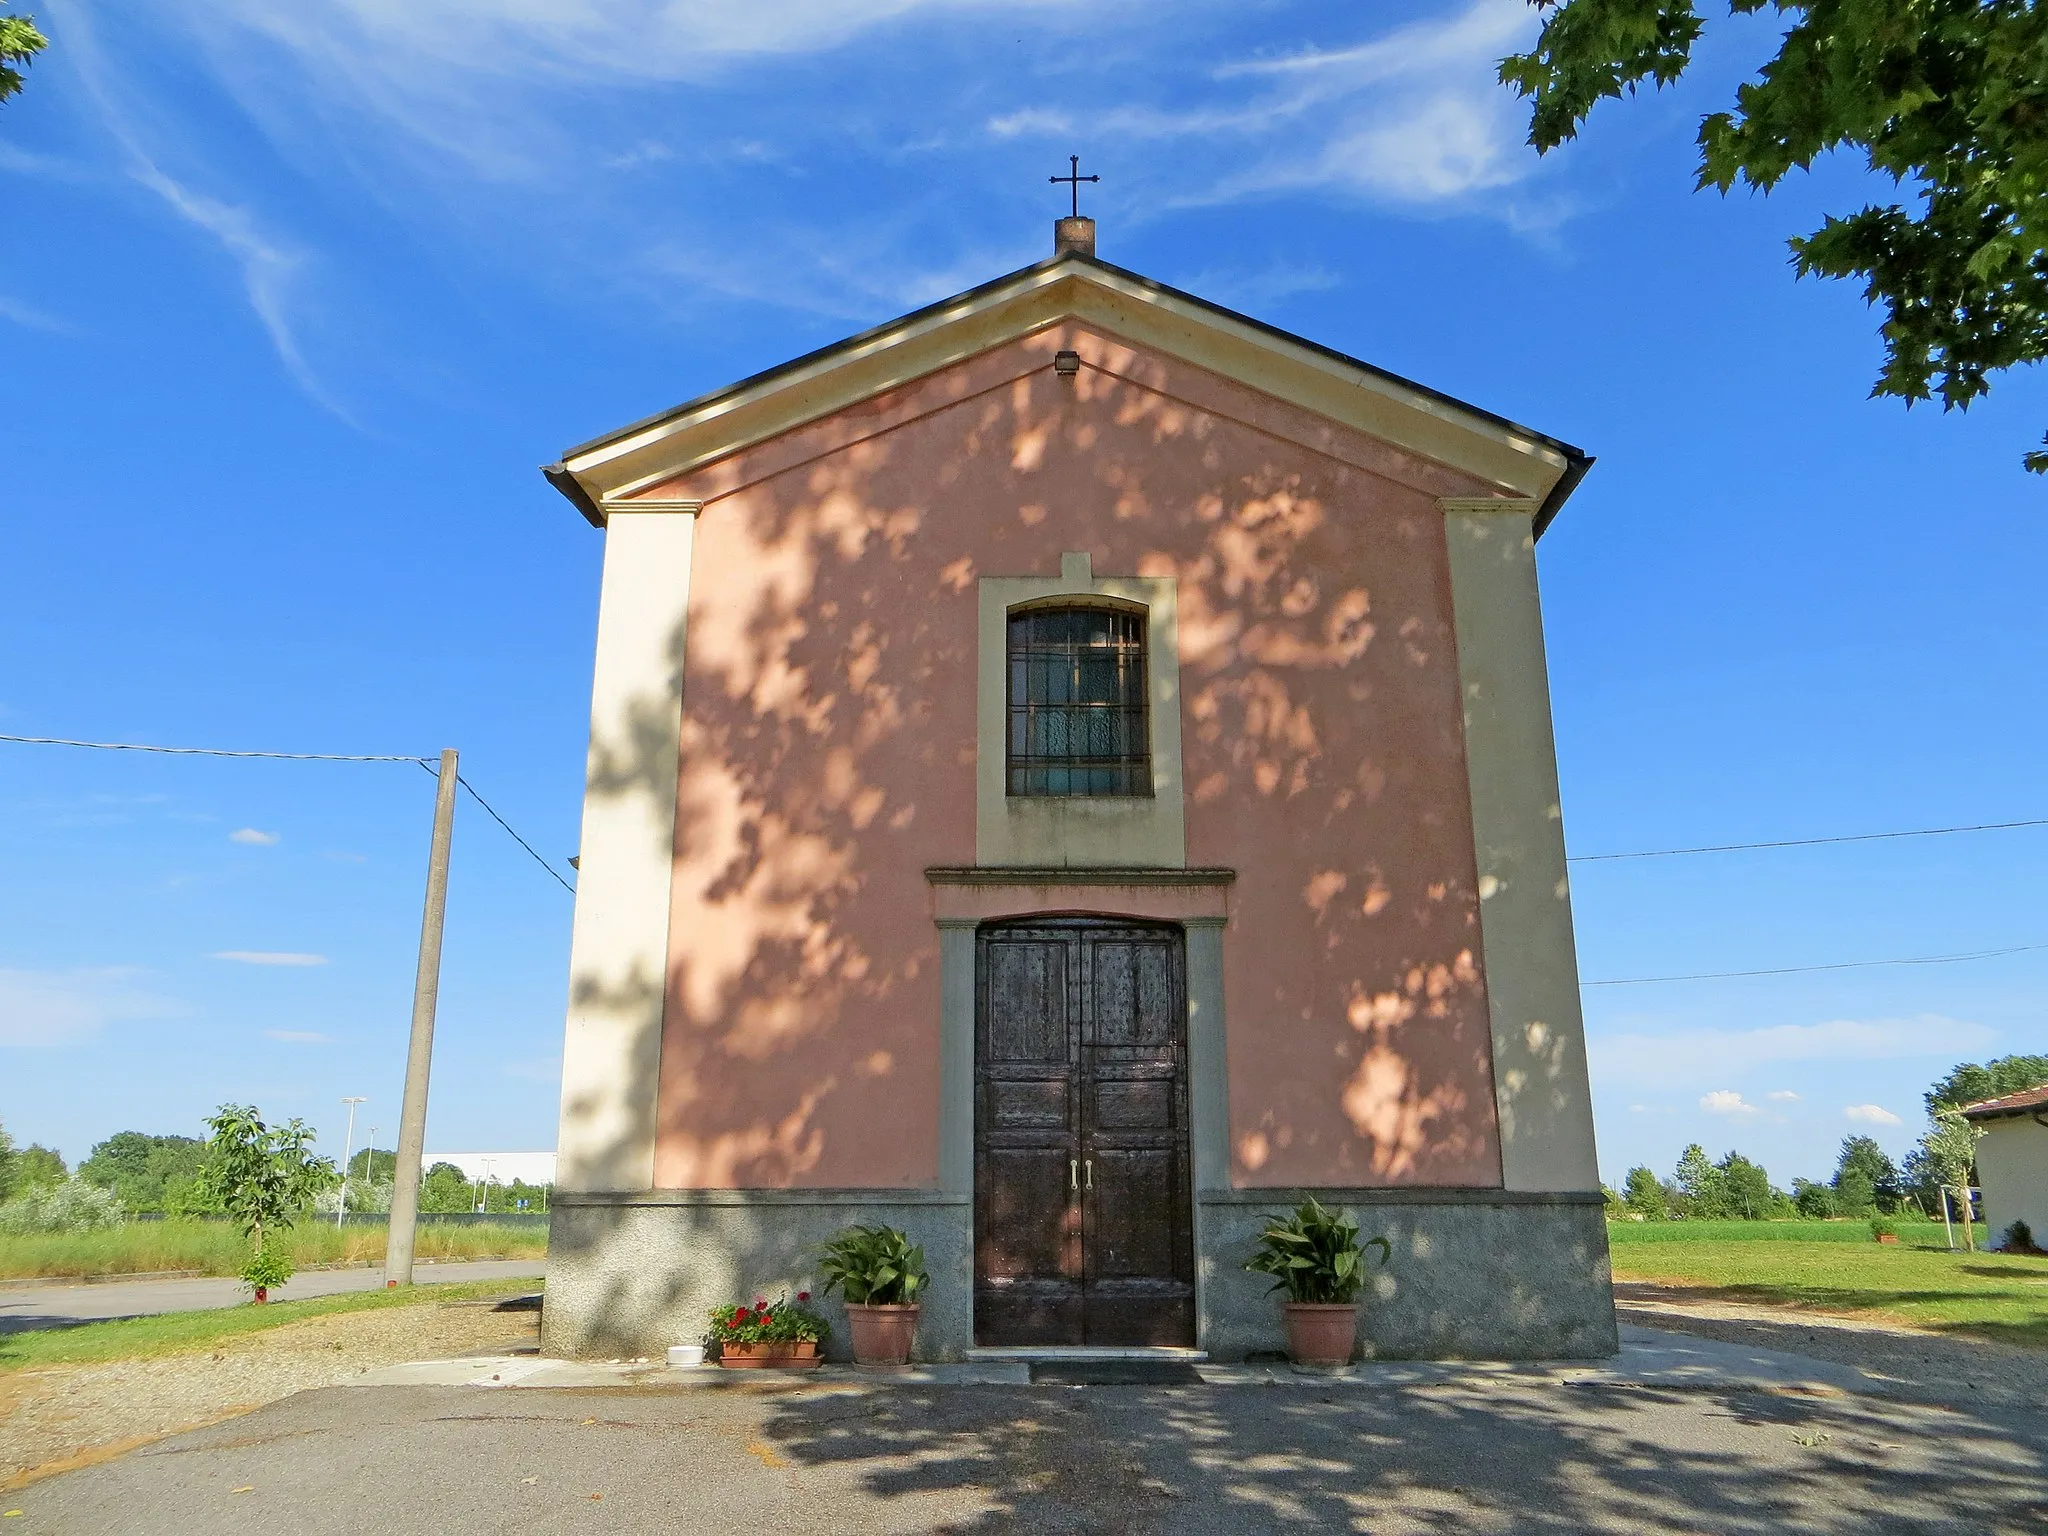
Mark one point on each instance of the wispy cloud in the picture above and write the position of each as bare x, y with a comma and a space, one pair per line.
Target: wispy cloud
1871, 1114
1726, 1101
253, 838
1689, 1056
268, 957
299, 1036
1782, 1096
29, 317
49, 1008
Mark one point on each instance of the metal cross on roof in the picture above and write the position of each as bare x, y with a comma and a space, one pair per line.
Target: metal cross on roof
1075, 178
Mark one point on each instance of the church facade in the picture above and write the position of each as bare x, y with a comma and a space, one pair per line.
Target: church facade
1071, 773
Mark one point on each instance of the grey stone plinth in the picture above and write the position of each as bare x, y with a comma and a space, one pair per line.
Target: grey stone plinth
632, 1274
1475, 1275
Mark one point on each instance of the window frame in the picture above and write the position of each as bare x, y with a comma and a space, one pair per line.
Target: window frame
1136, 768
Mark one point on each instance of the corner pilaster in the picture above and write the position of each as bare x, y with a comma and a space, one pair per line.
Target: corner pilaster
1531, 963
618, 948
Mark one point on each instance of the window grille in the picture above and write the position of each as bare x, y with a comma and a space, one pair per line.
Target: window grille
1077, 716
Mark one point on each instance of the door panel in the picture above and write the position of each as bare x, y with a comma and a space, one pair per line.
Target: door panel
1083, 1206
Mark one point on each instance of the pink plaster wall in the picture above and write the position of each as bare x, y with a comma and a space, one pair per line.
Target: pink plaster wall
828, 759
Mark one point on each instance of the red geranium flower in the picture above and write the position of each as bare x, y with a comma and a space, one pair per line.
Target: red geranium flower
803, 1295
761, 1302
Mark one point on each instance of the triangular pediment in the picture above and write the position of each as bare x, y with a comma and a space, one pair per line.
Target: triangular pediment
1519, 462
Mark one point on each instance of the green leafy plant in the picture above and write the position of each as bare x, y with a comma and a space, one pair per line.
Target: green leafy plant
1883, 1226
261, 1176
765, 1322
1314, 1255
2019, 1238
266, 1267
874, 1266
20, 42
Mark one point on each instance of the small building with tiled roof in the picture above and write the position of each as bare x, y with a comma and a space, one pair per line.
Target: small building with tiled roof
2012, 1159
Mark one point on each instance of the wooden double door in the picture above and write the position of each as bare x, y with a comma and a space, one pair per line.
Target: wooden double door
1083, 1214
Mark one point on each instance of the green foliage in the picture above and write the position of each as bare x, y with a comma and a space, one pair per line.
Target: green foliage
1883, 1226
1969, 1083
259, 1175
1949, 1148
1314, 1254
1644, 1195
1702, 1187
1947, 97
874, 1266
8, 1159
1865, 1178
267, 1266
1747, 1188
2019, 1238
778, 1322
38, 1167
147, 1173
71, 1206
20, 42
445, 1189
1814, 1201
216, 1247
375, 1163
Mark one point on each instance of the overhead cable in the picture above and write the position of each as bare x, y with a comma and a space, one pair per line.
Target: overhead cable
1804, 842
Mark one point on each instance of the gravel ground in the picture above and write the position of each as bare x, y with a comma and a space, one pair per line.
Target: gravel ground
1909, 1362
54, 1417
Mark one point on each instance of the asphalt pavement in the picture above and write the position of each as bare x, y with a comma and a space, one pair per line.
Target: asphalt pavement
1744, 1447
61, 1306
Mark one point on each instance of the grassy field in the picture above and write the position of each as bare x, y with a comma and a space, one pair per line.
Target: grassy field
1918, 1281
1845, 1231
141, 1338
215, 1248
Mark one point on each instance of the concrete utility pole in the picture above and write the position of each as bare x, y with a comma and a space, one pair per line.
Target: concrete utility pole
348, 1145
412, 1117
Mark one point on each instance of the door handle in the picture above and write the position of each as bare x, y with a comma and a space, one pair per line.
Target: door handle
1073, 1175
1089, 1169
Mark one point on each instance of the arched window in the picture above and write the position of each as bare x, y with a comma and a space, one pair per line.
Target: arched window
1077, 717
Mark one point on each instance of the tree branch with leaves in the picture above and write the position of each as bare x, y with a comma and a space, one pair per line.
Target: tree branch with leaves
1948, 98
20, 42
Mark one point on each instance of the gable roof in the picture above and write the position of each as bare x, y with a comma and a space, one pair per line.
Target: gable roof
2023, 1102
1522, 462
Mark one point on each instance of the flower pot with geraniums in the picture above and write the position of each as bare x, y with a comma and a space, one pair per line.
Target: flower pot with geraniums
882, 1274
1315, 1258
780, 1335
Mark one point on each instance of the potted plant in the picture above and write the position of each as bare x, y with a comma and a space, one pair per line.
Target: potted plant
782, 1335
266, 1267
881, 1273
1314, 1256
1883, 1229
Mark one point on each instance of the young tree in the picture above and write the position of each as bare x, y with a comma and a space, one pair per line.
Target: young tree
1864, 1175
38, 1167
20, 42
1702, 1188
9, 1161
1811, 1200
1643, 1194
263, 1177
1748, 1187
1949, 96
446, 1190
1949, 1150
1969, 1083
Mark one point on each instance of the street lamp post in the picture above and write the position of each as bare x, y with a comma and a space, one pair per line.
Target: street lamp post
348, 1145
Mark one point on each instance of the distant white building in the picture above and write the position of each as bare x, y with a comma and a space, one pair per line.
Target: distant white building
504, 1167
2012, 1159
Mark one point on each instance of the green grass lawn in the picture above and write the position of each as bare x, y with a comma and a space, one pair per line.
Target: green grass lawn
218, 1248
139, 1338
1991, 1295
1846, 1230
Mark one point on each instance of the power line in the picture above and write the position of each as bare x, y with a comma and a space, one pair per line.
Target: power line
295, 757
522, 842
1804, 842
132, 746
1839, 965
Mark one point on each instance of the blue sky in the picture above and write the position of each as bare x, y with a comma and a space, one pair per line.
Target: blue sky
293, 299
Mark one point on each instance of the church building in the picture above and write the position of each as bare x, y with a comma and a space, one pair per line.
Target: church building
1071, 774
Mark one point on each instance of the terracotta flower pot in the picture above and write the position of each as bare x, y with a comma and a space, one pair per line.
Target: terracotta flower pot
770, 1355
262, 1293
1320, 1333
1887, 1237
882, 1334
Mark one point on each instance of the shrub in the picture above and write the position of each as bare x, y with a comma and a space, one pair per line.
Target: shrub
1883, 1226
2019, 1238
1314, 1254
76, 1205
874, 1266
267, 1267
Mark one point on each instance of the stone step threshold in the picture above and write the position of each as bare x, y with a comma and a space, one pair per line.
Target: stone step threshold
1075, 1354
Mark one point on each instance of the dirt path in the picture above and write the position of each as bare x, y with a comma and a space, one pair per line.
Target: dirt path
56, 1417
1903, 1359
